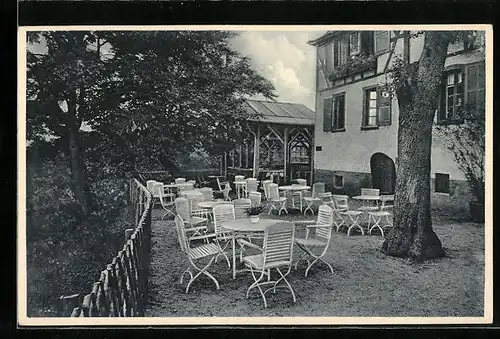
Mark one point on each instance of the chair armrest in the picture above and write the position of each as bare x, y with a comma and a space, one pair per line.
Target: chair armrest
206, 236
249, 244
197, 228
305, 222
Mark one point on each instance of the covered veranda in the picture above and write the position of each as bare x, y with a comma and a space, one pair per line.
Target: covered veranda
278, 145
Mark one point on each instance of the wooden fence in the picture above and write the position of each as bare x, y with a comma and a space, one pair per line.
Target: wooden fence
122, 288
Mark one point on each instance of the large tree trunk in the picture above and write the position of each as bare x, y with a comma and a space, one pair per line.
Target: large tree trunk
413, 235
80, 187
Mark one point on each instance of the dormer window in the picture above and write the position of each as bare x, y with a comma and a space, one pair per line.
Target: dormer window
354, 43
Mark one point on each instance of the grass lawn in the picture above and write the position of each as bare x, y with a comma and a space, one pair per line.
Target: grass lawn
365, 282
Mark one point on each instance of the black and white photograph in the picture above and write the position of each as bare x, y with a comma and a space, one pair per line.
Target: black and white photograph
261, 175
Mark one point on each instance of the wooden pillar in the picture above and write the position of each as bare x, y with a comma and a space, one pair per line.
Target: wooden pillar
239, 155
285, 154
225, 164
311, 157
221, 165
256, 147
247, 149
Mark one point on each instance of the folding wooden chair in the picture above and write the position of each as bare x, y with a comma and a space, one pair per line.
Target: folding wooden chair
255, 198
208, 251
317, 189
160, 194
276, 201
195, 223
276, 254
223, 213
317, 240
387, 203
240, 207
350, 218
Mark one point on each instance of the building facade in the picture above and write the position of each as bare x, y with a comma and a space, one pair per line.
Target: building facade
357, 117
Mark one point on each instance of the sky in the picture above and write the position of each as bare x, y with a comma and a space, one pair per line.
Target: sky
284, 58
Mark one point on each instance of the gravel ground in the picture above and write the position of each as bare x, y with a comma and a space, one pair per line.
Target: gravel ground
365, 283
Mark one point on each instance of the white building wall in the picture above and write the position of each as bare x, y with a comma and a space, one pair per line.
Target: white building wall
351, 150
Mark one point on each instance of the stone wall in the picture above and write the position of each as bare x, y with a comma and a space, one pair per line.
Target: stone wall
456, 203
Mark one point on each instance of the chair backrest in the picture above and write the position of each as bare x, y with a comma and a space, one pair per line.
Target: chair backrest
327, 198
187, 186
194, 200
265, 185
240, 207
150, 184
219, 185
239, 178
302, 182
370, 191
182, 208
158, 188
252, 185
207, 193
181, 233
273, 191
340, 201
317, 189
180, 180
255, 198
325, 217
222, 213
278, 245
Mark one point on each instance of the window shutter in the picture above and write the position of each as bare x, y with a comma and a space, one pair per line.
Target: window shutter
384, 107
341, 112
329, 57
381, 41
367, 42
327, 116
336, 53
442, 100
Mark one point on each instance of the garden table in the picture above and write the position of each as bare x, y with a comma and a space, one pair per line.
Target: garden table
290, 189
370, 203
246, 226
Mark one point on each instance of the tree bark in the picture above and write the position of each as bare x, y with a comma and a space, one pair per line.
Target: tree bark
412, 235
80, 187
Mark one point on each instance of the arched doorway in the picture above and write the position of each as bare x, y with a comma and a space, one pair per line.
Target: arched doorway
383, 173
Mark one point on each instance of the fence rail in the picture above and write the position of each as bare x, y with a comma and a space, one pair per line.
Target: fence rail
122, 288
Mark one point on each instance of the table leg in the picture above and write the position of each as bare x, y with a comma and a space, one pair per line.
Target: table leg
234, 254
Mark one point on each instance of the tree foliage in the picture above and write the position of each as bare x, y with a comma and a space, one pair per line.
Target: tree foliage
466, 142
146, 96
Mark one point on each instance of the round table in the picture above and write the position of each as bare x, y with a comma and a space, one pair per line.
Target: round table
246, 226
292, 189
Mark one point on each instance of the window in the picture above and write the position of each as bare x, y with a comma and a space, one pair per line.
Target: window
354, 43
452, 98
382, 41
377, 108
461, 87
475, 86
371, 107
442, 183
340, 50
338, 181
334, 113
338, 122
300, 154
